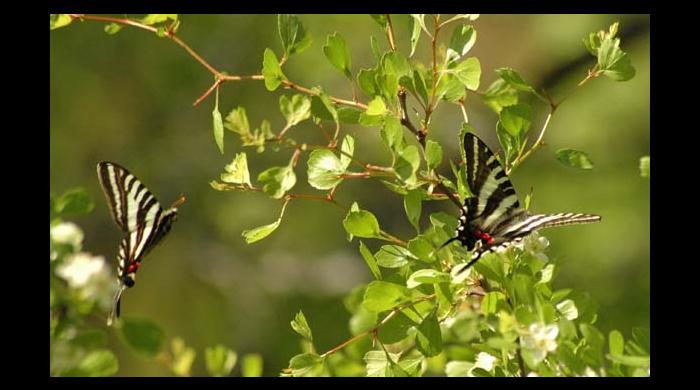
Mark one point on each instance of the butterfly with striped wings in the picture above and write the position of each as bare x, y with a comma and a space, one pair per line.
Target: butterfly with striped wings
137, 212
492, 219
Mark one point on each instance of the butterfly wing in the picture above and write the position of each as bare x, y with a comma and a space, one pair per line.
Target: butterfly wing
494, 207
494, 197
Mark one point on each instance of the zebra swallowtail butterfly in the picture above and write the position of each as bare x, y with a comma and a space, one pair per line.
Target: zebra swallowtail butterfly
137, 212
492, 218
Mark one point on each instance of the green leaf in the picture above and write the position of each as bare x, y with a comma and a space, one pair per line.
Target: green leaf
252, 365
514, 80
366, 80
305, 364
493, 302
433, 154
75, 201
381, 19
375, 48
510, 144
414, 26
412, 203
113, 28
260, 232
462, 40
143, 335
324, 169
294, 37
376, 106
516, 119
568, 309
593, 336
220, 360
396, 63
349, 115
500, 94
338, 54
547, 273
407, 164
348, 149
101, 362
362, 223
323, 108
218, 126
469, 73
451, 89
420, 19
272, 72
633, 361
237, 121
420, 86
393, 256
641, 336
152, 19
458, 369
277, 180
237, 171
381, 364
429, 338
300, 326
59, 20
422, 249
395, 330
392, 134
612, 61
296, 109
370, 260
644, 164
427, 276
574, 158
616, 343
183, 357
381, 296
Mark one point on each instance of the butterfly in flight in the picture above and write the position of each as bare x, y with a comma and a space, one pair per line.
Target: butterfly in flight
492, 219
137, 212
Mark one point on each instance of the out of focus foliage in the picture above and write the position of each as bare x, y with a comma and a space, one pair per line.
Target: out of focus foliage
507, 316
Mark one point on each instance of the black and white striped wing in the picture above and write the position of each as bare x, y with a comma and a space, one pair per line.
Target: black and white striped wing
492, 218
494, 201
523, 226
135, 210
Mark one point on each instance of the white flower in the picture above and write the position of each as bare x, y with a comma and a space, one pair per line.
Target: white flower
532, 374
88, 274
535, 245
589, 372
485, 361
540, 339
66, 233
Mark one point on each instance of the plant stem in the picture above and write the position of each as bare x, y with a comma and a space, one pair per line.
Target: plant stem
374, 330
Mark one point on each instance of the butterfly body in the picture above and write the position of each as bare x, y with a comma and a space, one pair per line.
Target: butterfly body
492, 218
137, 212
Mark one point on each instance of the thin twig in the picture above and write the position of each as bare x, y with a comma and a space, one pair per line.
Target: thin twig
374, 330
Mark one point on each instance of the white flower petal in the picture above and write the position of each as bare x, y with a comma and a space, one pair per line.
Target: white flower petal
67, 233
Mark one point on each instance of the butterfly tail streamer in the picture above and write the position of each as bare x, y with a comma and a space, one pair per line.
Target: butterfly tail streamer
114, 313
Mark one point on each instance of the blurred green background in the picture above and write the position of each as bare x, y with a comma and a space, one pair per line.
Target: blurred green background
128, 98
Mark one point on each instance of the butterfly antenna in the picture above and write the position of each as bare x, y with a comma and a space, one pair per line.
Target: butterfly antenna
448, 241
114, 313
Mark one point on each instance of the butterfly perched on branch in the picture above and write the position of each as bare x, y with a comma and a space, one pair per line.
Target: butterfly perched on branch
137, 212
492, 218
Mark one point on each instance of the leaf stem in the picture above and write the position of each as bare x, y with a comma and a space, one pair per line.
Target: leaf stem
390, 33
